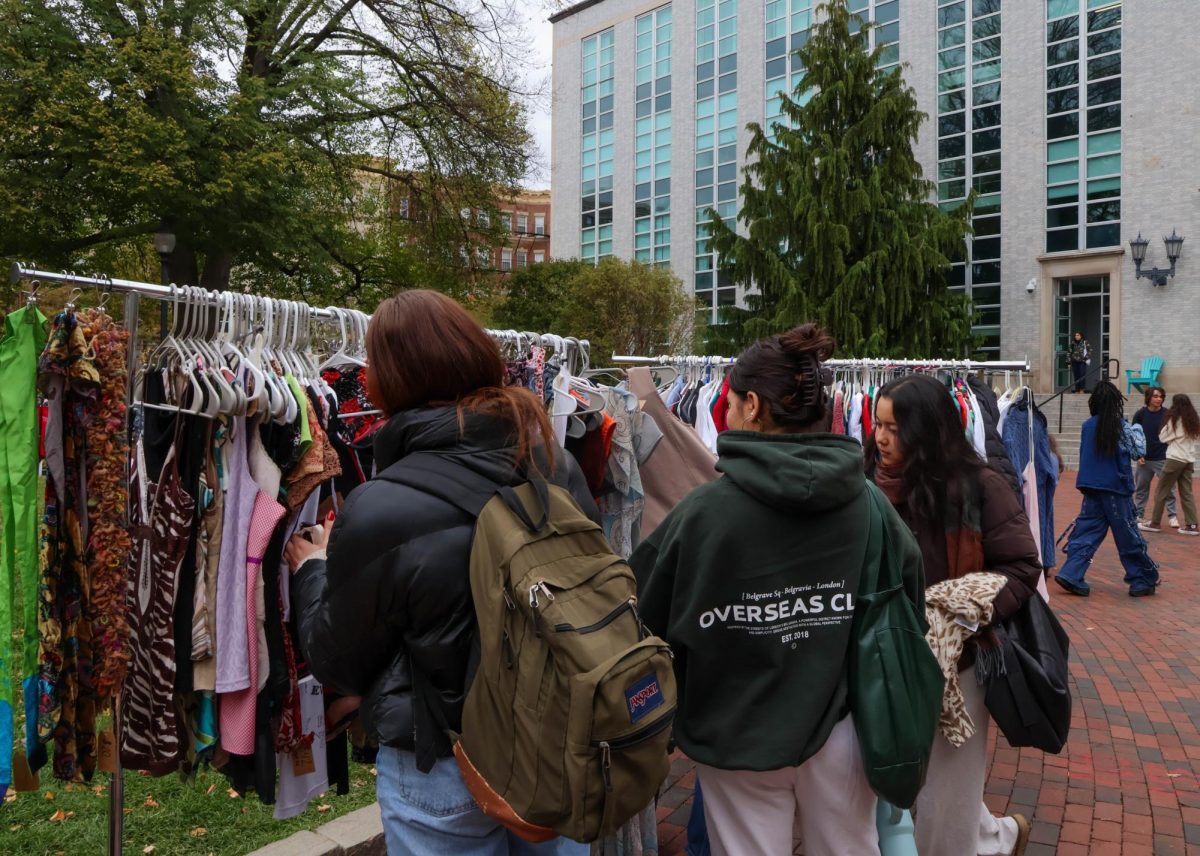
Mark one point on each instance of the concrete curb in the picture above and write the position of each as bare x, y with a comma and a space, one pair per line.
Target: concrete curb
359, 833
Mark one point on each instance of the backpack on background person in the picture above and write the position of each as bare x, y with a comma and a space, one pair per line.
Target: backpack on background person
567, 719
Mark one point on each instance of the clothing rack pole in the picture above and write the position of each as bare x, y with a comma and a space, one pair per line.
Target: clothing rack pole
19, 271
876, 362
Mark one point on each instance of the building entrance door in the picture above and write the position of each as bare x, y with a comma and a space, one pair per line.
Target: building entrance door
1081, 304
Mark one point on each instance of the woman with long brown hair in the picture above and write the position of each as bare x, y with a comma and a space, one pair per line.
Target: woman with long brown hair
1181, 433
387, 604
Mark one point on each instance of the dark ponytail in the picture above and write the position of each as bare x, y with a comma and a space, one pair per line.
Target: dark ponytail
785, 372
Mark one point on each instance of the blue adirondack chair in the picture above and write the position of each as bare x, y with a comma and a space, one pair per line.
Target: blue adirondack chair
1151, 367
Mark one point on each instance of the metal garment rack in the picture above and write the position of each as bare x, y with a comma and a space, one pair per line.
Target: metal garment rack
876, 363
134, 289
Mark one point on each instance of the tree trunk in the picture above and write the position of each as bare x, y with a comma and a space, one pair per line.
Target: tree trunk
217, 267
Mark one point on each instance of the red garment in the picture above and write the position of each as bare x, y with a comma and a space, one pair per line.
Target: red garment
839, 413
721, 408
597, 446
866, 416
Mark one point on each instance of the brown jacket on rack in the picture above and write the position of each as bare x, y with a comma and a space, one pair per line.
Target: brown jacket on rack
679, 463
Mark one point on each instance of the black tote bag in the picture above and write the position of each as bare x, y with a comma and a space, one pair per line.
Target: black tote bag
1028, 696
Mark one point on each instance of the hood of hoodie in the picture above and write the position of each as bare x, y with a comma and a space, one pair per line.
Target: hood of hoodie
483, 443
794, 472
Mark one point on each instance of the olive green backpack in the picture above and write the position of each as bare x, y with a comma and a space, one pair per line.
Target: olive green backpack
566, 724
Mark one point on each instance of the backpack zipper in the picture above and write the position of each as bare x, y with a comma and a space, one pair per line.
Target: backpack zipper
640, 736
599, 625
533, 593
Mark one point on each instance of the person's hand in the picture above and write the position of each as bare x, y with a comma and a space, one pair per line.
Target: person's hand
300, 548
1141, 461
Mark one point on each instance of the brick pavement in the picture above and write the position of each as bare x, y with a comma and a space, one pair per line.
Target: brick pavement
1128, 781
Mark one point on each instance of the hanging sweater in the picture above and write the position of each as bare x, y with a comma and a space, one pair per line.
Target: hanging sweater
752, 580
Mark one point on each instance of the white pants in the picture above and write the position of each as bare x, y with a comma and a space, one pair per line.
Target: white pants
752, 813
950, 815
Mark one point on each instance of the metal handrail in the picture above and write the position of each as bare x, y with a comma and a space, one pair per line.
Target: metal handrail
1104, 366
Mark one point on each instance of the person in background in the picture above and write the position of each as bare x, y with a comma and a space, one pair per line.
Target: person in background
1080, 357
731, 578
1181, 433
383, 596
1105, 479
1150, 417
966, 519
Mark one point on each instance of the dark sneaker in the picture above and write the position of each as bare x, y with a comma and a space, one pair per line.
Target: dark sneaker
1078, 591
1146, 592
1189, 530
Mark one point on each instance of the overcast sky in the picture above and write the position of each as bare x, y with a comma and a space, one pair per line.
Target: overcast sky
541, 39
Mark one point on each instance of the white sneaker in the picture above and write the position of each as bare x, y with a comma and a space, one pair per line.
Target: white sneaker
1189, 530
1174, 521
1148, 527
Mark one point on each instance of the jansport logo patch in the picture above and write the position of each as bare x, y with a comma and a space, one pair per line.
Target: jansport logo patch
643, 696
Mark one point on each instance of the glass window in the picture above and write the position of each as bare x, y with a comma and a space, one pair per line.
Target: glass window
887, 12
986, 94
1104, 18
1062, 240
952, 101
986, 50
986, 141
506, 259
987, 163
1062, 150
952, 169
1059, 217
522, 258
1103, 165
1066, 125
1104, 66
952, 37
952, 147
1062, 100
539, 224
1106, 142
1099, 43
1102, 93
986, 226
1062, 52
986, 27
955, 13
1060, 172
954, 123
986, 183
1059, 8
985, 248
1104, 236
985, 117
952, 58
985, 7
1063, 75
1103, 118
1101, 212
1104, 188
1059, 31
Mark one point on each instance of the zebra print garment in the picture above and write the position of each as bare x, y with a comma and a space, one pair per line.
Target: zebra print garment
151, 728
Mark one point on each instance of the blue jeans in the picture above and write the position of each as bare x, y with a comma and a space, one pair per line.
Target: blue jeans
1103, 511
697, 829
1079, 372
433, 814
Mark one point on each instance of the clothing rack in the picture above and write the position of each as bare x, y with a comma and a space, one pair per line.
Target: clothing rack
879, 363
566, 345
19, 271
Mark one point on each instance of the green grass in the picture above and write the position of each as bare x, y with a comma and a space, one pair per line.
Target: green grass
230, 825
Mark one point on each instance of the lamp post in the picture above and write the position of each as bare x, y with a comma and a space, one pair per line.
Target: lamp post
164, 245
1158, 276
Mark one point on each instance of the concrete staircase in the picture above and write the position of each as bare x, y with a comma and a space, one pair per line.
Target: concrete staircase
1074, 414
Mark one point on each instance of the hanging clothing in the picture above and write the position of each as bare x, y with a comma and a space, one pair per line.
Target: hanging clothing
151, 730
238, 708
108, 544
838, 422
678, 464
1021, 453
24, 338
233, 663
296, 789
66, 687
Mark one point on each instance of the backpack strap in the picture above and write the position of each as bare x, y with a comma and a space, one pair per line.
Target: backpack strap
444, 477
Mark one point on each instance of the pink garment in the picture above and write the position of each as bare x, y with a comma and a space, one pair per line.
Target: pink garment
1029, 492
839, 413
237, 708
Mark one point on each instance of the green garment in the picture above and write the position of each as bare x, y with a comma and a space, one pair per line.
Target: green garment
752, 580
302, 403
24, 338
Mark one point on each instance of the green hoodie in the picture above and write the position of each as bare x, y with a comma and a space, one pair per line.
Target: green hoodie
752, 579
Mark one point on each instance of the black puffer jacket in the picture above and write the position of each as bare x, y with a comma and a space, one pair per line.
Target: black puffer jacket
394, 594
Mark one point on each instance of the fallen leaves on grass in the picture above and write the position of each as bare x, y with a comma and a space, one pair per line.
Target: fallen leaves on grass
210, 790
150, 802
198, 832
233, 794
149, 848
324, 809
49, 796
60, 815
16, 827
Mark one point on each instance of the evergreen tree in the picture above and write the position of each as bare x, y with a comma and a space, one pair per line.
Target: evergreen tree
841, 224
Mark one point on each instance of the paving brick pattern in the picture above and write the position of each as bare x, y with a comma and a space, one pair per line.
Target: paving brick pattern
1128, 781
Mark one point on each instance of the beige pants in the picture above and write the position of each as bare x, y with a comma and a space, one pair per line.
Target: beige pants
950, 815
752, 813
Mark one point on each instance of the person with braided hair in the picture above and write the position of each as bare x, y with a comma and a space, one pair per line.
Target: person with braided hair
1106, 481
